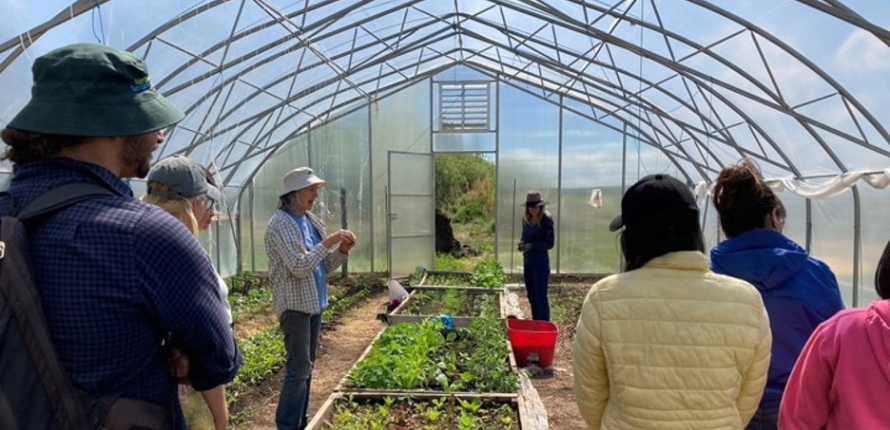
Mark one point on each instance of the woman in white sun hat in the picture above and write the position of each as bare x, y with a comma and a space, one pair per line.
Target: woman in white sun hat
301, 254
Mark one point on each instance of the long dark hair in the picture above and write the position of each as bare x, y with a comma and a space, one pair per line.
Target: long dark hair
641, 244
743, 200
544, 214
882, 274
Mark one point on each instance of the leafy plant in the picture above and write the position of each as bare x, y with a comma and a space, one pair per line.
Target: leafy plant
453, 302
246, 304
488, 274
438, 413
263, 354
401, 359
420, 357
243, 282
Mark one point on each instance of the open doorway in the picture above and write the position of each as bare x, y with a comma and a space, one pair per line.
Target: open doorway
465, 210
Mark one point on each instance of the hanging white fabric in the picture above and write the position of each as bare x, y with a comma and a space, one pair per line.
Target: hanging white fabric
596, 199
824, 190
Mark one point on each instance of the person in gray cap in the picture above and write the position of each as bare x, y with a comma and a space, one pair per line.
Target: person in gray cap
118, 279
183, 188
301, 254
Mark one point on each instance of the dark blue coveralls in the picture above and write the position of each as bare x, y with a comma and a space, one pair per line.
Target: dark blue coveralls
536, 267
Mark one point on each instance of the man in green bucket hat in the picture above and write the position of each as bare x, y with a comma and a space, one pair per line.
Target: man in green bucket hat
120, 282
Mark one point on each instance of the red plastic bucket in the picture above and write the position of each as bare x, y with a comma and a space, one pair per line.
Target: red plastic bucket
531, 339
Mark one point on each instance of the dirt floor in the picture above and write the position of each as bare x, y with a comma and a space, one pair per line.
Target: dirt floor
557, 387
341, 345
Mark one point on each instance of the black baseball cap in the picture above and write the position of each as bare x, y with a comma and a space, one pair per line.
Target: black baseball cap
655, 198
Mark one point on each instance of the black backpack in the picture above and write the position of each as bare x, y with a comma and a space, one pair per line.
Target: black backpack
35, 391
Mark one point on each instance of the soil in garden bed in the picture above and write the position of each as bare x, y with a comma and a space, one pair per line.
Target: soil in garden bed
408, 414
341, 345
557, 389
452, 302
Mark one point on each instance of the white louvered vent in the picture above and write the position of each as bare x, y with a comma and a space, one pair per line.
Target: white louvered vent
463, 107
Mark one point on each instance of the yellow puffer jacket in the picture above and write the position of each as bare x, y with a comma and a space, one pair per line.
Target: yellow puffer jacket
671, 346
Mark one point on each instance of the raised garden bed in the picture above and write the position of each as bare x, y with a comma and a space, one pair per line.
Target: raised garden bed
453, 279
463, 304
363, 411
425, 358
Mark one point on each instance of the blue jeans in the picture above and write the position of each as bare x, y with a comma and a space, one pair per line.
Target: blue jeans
764, 420
536, 272
301, 332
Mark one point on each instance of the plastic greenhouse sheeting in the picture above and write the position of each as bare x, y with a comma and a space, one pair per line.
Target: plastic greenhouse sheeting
692, 85
528, 155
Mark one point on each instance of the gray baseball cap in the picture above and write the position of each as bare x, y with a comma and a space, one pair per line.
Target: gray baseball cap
184, 177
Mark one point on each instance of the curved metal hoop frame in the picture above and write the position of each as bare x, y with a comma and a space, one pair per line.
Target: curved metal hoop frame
707, 125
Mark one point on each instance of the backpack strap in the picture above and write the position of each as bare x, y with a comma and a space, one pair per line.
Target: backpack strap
62, 197
24, 304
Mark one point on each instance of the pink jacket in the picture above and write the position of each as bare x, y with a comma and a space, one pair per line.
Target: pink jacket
842, 378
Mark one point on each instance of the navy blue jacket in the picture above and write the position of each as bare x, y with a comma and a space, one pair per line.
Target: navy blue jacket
799, 292
540, 237
117, 276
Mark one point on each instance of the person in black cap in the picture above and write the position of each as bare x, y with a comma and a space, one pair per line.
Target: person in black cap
537, 241
667, 343
118, 279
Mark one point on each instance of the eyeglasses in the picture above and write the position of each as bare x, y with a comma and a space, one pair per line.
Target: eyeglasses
207, 202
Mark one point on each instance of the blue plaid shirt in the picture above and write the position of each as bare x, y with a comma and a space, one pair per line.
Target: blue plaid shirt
116, 276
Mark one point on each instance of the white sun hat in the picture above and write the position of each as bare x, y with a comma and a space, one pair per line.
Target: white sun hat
299, 178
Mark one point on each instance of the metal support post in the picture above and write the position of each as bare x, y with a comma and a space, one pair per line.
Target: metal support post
857, 242
559, 190
513, 228
344, 224
809, 226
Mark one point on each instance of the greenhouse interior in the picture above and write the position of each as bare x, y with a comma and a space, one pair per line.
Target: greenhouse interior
576, 99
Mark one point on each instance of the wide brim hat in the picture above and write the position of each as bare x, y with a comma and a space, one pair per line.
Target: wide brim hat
655, 199
92, 90
298, 179
533, 198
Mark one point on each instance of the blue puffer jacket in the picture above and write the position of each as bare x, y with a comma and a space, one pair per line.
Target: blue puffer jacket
799, 292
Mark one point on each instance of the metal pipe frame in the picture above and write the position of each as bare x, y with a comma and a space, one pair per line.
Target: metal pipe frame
538, 60
549, 10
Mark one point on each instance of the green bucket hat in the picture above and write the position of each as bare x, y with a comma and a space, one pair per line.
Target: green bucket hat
94, 91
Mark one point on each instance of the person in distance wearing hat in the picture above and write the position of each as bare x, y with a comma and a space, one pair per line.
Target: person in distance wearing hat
668, 343
115, 276
185, 190
301, 254
536, 242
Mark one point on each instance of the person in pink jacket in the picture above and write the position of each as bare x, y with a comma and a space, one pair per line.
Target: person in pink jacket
844, 369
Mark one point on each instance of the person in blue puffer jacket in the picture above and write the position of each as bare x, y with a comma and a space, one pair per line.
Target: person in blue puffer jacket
799, 291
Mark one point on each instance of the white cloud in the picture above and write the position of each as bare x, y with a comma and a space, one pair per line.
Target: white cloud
862, 51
